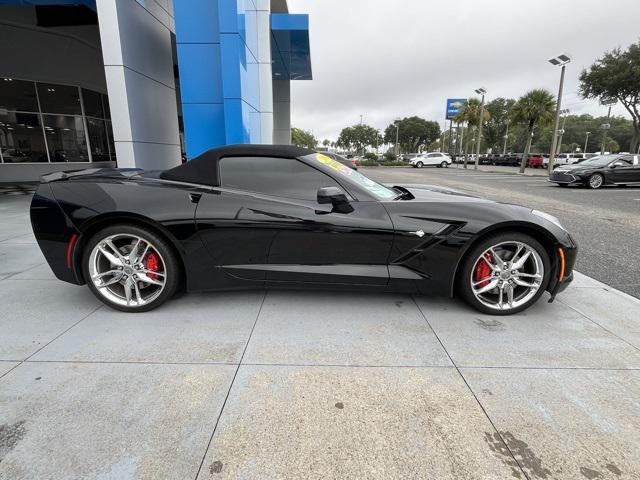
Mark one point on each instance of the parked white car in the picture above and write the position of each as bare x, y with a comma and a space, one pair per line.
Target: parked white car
436, 159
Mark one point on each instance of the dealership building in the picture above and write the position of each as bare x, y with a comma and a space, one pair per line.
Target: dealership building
142, 83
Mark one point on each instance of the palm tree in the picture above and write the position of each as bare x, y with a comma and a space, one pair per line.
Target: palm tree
533, 109
471, 115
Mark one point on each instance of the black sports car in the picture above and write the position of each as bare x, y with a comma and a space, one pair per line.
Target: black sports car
598, 171
255, 216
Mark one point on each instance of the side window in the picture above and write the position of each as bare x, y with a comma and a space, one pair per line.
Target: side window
625, 161
282, 177
433, 155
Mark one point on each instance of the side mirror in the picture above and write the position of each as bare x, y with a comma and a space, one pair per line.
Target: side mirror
335, 197
614, 165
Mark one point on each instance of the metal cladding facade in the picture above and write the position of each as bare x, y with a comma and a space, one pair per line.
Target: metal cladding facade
175, 76
230, 52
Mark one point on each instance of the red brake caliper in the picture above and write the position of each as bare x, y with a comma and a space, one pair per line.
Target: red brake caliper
483, 270
152, 262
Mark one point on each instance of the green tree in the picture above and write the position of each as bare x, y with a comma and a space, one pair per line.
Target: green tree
358, 138
326, 142
617, 75
495, 127
470, 115
534, 109
413, 132
303, 138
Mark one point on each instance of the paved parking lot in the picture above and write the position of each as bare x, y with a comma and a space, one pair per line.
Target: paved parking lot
310, 385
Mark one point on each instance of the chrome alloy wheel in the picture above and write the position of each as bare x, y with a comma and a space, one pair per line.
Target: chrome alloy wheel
507, 275
127, 270
596, 181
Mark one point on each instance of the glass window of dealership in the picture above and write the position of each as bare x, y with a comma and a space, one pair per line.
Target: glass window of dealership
142, 83
45, 122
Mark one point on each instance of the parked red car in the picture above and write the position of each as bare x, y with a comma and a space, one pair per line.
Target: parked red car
535, 161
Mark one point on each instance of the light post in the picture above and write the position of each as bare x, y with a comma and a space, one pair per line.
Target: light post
559, 61
606, 102
564, 114
506, 137
480, 91
586, 142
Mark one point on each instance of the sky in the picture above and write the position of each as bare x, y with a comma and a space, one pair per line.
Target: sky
385, 59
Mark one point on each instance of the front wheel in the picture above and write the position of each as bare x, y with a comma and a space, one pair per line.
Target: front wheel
419, 164
444, 165
130, 268
595, 181
505, 274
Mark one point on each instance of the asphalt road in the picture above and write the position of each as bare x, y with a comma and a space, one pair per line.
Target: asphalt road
605, 222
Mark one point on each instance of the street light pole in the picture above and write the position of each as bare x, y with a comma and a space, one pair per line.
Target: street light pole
506, 137
560, 60
481, 91
561, 131
586, 142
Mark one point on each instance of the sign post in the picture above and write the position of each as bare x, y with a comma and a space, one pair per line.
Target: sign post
454, 106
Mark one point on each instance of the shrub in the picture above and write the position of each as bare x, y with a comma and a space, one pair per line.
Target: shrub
390, 156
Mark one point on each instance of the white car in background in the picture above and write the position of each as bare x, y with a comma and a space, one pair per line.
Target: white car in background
433, 159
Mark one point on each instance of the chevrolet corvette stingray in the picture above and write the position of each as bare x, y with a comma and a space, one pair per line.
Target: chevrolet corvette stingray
264, 216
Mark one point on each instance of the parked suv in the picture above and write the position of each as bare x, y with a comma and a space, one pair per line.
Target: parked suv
437, 159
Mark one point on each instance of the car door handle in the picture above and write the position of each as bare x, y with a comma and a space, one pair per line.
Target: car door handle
417, 233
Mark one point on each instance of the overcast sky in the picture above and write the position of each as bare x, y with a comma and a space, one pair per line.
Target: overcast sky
396, 58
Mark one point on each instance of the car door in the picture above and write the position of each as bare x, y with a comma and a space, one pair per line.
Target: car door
284, 234
432, 159
623, 171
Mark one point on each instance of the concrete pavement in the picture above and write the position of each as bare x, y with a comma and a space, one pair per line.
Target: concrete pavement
310, 384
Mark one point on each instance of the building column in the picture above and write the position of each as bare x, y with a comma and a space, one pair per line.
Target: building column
138, 63
282, 112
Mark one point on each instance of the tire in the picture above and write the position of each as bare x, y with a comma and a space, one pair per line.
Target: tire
419, 165
444, 165
149, 285
595, 181
537, 262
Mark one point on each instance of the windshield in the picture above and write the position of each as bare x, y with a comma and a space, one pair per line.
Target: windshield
599, 161
379, 191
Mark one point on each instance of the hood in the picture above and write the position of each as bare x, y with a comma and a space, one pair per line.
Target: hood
433, 193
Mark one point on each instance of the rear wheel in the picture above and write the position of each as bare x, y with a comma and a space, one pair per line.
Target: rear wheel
130, 268
595, 181
505, 273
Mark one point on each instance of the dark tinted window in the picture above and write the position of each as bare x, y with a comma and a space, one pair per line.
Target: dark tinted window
627, 162
273, 176
65, 138
59, 99
18, 95
92, 103
21, 138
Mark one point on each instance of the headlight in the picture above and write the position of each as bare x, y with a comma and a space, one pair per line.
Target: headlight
549, 217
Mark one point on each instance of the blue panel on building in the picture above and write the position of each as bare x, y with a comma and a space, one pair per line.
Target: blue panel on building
203, 59
290, 46
205, 126
198, 21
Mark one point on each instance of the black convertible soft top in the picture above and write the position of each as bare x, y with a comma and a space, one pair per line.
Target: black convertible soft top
203, 169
